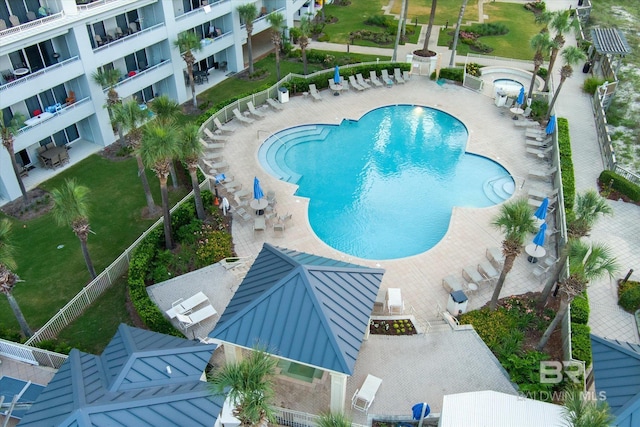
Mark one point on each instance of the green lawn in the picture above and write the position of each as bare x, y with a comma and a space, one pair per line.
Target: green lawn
514, 44
53, 276
446, 10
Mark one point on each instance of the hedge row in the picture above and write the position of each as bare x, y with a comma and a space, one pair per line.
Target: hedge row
566, 165
620, 184
580, 309
581, 343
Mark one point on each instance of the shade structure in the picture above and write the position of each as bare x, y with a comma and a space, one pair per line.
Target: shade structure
336, 75
538, 239
257, 190
551, 126
520, 100
541, 212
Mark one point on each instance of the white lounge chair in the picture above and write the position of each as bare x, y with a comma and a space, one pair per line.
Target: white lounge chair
183, 306
259, 114
362, 82
488, 271
241, 118
452, 283
538, 144
540, 152
212, 145
406, 76
220, 165
537, 194
385, 78
242, 193
355, 84
259, 224
374, 79
495, 256
188, 320
397, 74
215, 137
246, 216
274, 104
543, 174
314, 92
471, 275
221, 127
364, 396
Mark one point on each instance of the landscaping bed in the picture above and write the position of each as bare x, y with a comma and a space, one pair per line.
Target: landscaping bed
393, 327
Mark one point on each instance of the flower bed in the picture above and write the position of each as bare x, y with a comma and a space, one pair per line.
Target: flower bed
392, 327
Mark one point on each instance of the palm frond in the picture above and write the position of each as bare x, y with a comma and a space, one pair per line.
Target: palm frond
70, 202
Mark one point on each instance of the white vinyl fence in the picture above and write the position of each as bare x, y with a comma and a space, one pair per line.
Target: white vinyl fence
31, 355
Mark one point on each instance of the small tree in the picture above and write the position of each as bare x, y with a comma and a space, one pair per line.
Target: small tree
541, 42
249, 386
586, 262
188, 42
589, 206
328, 419
277, 22
516, 221
8, 131
71, 208
571, 55
8, 278
561, 22
190, 152
108, 79
167, 111
303, 40
248, 13
579, 412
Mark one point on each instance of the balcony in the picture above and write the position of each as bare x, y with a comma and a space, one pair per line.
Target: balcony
117, 48
139, 79
201, 15
33, 83
210, 47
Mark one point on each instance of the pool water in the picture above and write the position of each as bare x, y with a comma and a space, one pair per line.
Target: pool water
383, 187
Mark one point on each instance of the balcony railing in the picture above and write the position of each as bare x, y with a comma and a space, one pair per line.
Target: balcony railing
30, 25
137, 74
117, 42
198, 10
94, 4
64, 110
37, 74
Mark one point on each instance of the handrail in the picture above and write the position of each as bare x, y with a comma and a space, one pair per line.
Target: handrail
37, 73
32, 355
56, 114
141, 73
127, 38
198, 10
32, 24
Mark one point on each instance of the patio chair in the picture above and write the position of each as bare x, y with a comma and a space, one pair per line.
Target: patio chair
221, 127
364, 396
276, 105
385, 78
188, 320
119, 32
259, 114
215, 137
355, 84
98, 40
362, 82
542, 174
3, 24
397, 74
406, 75
259, 224
246, 216
278, 227
488, 271
541, 153
241, 118
452, 283
332, 85
314, 92
471, 275
374, 79
540, 271
31, 16
495, 256
537, 194
213, 156
242, 193
527, 112
538, 143
15, 21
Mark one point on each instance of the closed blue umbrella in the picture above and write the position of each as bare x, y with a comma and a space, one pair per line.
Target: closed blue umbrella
551, 126
257, 190
520, 100
336, 75
541, 213
538, 240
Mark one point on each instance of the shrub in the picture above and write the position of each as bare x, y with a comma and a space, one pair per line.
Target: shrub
488, 29
580, 310
55, 345
629, 296
524, 370
295, 33
581, 343
473, 69
455, 74
621, 184
566, 164
539, 109
378, 21
591, 84
213, 246
543, 72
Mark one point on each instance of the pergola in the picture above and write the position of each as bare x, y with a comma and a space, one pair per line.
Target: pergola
610, 42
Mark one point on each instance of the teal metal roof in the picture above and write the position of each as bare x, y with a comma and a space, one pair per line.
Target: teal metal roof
616, 369
306, 308
143, 378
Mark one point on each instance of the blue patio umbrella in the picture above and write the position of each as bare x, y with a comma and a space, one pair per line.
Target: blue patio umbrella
336, 75
541, 212
551, 126
520, 100
538, 240
418, 409
257, 190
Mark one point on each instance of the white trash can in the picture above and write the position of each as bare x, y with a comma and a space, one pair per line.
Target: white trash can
457, 303
283, 95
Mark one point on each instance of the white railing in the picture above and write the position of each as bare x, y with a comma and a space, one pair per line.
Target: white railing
291, 418
29, 25
93, 5
138, 74
38, 73
116, 43
64, 110
74, 308
31, 355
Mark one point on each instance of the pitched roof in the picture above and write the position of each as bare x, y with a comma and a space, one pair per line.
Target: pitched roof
610, 41
302, 307
616, 369
141, 375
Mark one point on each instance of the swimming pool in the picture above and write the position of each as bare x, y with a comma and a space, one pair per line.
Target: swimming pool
383, 187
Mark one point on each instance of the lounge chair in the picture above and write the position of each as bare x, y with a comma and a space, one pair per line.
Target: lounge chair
362, 82
495, 256
259, 114
452, 283
488, 271
406, 75
221, 127
374, 79
314, 92
215, 137
242, 193
278, 226
385, 78
220, 165
538, 144
397, 74
540, 153
509, 103
527, 112
188, 320
274, 104
535, 132
181, 306
537, 194
246, 216
333, 86
364, 396
535, 203
471, 275
212, 145
355, 84
543, 174
213, 156
241, 118
259, 224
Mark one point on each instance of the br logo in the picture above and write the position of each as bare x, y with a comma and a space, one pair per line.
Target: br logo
553, 372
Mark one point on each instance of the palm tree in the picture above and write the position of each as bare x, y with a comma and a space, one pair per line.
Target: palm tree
8, 131
586, 262
457, 34
432, 17
589, 206
328, 419
249, 385
71, 208
277, 22
167, 110
131, 117
579, 412
108, 79
158, 148
8, 278
571, 55
541, 42
248, 13
303, 40
188, 42
516, 221
190, 152
561, 22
